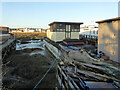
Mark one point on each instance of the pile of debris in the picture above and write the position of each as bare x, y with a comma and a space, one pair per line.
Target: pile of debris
84, 76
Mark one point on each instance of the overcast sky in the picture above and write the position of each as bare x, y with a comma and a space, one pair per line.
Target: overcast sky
40, 14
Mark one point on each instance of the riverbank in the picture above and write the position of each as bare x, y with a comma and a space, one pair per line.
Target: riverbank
27, 66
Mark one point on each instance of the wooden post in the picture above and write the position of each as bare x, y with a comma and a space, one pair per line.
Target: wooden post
75, 69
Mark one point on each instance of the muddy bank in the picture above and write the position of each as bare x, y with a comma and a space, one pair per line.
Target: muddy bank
28, 65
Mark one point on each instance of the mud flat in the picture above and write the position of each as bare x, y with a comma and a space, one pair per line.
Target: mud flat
27, 65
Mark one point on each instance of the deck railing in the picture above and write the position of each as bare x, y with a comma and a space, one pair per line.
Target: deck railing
88, 36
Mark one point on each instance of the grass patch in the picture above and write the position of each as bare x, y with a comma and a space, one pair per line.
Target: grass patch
29, 35
31, 69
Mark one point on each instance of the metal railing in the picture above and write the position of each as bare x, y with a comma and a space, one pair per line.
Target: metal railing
88, 36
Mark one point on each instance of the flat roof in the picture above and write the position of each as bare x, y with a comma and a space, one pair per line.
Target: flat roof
108, 20
66, 23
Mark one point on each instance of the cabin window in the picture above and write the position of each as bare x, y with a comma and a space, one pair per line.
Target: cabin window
53, 30
97, 32
75, 30
60, 30
60, 24
67, 27
63, 30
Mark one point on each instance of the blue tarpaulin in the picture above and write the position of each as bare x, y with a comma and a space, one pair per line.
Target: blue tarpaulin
73, 48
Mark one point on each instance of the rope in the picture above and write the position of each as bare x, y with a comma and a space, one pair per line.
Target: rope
45, 73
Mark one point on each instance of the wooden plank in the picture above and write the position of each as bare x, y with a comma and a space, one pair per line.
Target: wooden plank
94, 85
93, 66
88, 74
63, 86
74, 83
59, 80
64, 76
70, 84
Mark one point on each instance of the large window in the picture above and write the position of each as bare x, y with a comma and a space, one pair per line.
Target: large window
93, 32
60, 30
75, 28
60, 26
68, 28
97, 32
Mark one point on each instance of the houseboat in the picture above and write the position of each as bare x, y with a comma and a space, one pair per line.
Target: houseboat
63, 30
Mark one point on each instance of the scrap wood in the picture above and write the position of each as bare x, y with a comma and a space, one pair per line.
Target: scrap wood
89, 74
104, 76
98, 63
94, 67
